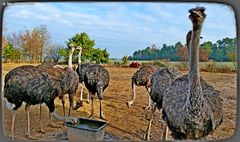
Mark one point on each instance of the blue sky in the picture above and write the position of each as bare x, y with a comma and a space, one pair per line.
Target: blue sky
121, 27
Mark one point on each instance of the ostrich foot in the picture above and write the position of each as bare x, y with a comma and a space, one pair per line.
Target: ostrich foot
30, 137
103, 117
54, 126
91, 116
11, 137
146, 136
41, 131
88, 102
129, 103
148, 107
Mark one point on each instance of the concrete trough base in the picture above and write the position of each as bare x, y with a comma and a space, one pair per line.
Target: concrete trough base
86, 130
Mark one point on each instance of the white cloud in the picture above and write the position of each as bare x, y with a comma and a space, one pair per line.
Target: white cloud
123, 23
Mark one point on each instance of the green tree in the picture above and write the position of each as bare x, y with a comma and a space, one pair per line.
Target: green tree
10, 53
88, 50
99, 56
178, 45
84, 41
52, 53
125, 59
207, 46
63, 52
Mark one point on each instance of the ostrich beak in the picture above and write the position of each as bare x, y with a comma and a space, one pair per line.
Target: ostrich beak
197, 13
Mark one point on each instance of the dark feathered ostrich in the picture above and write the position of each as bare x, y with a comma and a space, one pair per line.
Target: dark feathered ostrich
68, 76
69, 80
96, 80
192, 109
27, 84
142, 77
81, 70
160, 81
69, 84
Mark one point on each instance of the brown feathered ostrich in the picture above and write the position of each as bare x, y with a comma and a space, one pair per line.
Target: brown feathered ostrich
69, 79
160, 81
27, 84
191, 108
142, 77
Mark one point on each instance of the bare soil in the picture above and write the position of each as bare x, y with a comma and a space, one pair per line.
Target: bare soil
124, 123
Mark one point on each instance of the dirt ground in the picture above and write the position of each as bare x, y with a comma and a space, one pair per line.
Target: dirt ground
124, 123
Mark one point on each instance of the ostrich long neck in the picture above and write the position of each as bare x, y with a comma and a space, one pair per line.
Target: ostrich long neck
188, 41
194, 76
70, 58
79, 57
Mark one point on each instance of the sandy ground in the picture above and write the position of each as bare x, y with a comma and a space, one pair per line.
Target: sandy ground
124, 123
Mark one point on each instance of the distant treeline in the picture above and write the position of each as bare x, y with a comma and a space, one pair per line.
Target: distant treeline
222, 51
35, 46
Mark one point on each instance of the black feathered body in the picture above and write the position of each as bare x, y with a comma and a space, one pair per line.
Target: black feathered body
96, 79
142, 77
27, 84
160, 81
45, 65
182, 121
68, 77
82, 71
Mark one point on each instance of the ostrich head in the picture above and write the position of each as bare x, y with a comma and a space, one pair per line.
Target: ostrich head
79, 48
71, 47
99, 87
197, 16
78, 104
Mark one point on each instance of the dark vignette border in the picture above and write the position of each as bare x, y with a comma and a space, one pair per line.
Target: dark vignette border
233, 3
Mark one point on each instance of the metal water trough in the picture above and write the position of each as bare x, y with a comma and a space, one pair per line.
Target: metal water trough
86, 130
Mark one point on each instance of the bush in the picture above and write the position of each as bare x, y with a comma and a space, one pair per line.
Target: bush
134, 65
183, 66
116, 63
159, 63
212, 66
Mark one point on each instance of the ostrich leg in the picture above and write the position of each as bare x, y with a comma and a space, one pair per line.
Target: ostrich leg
13, 124
63, 104
101, 112
92, 111
87, 97
166, 133
27, 109
81, 94
50, 122
147, 134
149, 99
41, 129
129, 103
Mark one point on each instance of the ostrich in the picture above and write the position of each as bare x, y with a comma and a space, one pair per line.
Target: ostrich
69, 80
69, 84
96, 80
81, 70
27, 84
142, 77
160, 80
191, 108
